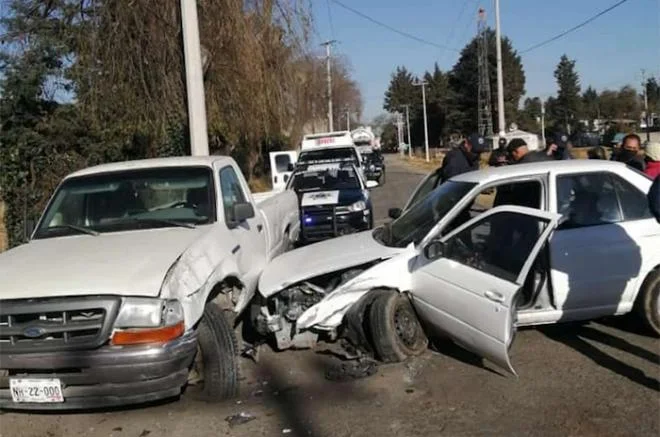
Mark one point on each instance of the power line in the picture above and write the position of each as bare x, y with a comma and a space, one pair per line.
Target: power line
574, 28
388, 27
332, 26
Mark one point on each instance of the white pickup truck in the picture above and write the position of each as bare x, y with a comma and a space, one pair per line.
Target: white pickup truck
131, 281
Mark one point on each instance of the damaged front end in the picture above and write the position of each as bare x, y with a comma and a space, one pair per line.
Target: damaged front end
301, 314
277, 317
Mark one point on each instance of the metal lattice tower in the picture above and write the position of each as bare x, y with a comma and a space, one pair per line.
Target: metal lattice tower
485, 117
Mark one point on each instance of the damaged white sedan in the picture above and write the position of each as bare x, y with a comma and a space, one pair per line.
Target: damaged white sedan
472, 259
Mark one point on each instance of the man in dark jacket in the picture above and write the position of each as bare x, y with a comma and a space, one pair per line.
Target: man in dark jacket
630, 152
558, 147
519, 153
654, 198
464, 158
499, 156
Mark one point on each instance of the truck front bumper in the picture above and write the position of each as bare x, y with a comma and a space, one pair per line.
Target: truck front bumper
105, 377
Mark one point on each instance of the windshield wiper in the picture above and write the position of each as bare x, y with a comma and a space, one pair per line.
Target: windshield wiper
166, 222
80, 229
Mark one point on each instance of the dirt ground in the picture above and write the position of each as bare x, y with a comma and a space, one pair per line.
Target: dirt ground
596, 379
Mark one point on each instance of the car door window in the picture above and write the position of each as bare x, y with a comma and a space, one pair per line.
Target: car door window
634, 204
587, 199
429, 185
232, 192
519, 193
499, 244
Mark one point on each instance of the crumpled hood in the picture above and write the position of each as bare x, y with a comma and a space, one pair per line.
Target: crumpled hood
324, 257
127, 263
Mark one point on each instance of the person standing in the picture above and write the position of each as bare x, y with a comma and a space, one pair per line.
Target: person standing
519, 153
558, 147
630, 152
498, 157
463, 158
653, 160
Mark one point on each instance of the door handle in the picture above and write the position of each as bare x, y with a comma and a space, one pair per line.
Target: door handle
260, 228
494, 296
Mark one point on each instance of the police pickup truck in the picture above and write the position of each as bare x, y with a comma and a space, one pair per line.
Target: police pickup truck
334, 199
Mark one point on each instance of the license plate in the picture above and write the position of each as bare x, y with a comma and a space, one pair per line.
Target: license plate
36, 390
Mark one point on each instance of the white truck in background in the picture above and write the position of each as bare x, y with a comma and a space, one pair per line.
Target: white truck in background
132, 281
315, 148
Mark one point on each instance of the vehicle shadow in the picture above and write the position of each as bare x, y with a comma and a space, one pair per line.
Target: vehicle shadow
576, 338
450, 349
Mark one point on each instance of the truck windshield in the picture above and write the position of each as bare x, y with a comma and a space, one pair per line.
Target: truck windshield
336, 179
334, 154
417, 222
129, 200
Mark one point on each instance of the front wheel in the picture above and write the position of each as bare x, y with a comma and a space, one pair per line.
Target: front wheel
648, 303
395, 328
216, 364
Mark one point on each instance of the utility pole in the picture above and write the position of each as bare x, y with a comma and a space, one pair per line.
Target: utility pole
426, 128
408, 124
199, 142
348, 118
485, 116
646, 107
399, 130
543, 122
500, 80
327, 45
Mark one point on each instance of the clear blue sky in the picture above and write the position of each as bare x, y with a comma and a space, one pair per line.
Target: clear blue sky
610, 52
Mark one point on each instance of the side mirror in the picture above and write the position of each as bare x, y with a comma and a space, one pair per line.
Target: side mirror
290, 167
434, 250
394, 213
372, 184
242, 212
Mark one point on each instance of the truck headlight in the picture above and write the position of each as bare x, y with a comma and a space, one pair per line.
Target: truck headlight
358, 206
148, 320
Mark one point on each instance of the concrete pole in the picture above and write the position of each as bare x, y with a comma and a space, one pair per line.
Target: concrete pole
543, 122
646, 107
500, 80
327, 45
408, 124
199, 142
426, 128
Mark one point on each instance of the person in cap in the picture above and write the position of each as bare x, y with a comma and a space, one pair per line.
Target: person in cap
653, 159
499, 157
464, 158
630, 152
558, 147
519, 153
654, 198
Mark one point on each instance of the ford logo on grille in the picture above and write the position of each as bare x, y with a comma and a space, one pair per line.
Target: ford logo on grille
33, 332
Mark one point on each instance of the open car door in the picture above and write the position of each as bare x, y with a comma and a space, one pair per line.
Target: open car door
280, 164
466, 284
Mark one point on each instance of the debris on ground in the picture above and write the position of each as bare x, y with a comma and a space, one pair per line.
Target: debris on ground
145, 433
119, 428
239, 419
351, 370
251, 352
286, 431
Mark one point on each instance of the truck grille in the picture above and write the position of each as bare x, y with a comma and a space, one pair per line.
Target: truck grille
57, 324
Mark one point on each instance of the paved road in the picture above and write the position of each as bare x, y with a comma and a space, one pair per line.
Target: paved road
600, 379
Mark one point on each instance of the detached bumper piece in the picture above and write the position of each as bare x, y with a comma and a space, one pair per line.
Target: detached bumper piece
323, 222
54, 356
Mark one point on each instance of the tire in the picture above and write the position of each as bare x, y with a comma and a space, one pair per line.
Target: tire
395, 329
217, 349
648, 303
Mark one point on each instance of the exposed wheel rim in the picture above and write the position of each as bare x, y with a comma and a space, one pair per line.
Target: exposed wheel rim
405, 326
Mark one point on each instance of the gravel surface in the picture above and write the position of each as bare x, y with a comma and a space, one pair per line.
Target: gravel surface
596, 379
